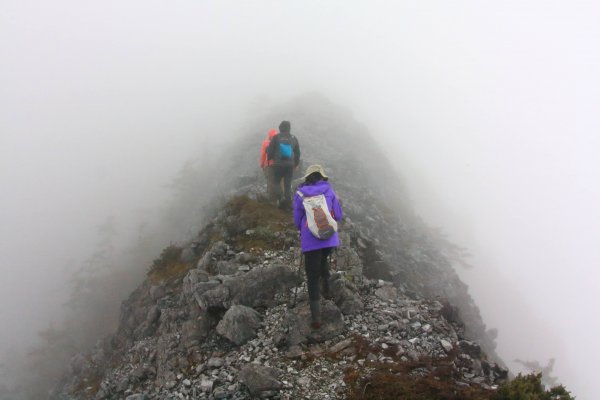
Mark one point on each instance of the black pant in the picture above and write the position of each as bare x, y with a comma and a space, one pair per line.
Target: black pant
285, 173
316, 265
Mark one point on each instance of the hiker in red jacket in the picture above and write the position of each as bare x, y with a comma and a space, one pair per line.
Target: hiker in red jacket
265, 164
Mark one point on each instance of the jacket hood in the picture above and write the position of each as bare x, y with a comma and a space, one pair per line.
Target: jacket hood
272, 133
313, 190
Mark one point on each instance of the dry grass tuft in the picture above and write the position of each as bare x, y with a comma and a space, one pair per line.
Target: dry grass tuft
168, 266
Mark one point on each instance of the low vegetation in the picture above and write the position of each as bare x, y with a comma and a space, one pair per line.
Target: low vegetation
168, 266
254, 224
530, 387
428, 378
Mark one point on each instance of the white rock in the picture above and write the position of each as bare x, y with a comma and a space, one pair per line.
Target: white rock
215, 362
170, 385
304, 381
446, 345
206, 385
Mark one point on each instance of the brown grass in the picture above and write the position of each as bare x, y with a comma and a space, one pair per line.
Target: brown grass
168, 266
424, 379
169, 272
263, 219
253, 213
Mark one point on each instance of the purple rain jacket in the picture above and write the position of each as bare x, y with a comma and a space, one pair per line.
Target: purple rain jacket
308, 241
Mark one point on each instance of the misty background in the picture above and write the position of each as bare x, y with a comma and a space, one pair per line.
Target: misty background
487, 109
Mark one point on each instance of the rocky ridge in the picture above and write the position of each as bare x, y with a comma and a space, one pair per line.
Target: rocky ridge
225, 314
233, 322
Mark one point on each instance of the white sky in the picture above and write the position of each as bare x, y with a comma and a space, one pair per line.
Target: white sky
488, 108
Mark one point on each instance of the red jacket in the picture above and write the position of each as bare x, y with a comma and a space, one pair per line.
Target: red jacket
263, 151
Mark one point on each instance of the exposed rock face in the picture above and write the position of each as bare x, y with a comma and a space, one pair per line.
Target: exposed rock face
256, 288
345, 295
394, 296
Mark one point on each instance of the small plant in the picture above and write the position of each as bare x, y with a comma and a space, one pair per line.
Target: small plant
264, 233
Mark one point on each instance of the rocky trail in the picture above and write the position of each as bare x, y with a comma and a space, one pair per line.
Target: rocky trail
227, 317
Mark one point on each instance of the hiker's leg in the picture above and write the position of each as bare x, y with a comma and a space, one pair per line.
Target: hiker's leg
269, 177
287, 184
276, 183
324, 271
312, 260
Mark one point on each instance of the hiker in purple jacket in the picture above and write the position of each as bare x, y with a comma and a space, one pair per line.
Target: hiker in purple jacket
316, 251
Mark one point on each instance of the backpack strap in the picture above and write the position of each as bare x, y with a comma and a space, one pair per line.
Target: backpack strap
299, 193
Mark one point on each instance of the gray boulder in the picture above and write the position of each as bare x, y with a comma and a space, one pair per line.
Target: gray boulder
195, 329
194, 276
345, 295
349, 261
259, 379
227, 267
216, 298
239, 324
256, 288
387, 292
204, 262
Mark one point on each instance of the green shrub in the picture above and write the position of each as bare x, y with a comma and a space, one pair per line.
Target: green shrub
529, 387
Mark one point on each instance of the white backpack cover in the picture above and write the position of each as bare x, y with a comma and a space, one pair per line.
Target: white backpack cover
318, 217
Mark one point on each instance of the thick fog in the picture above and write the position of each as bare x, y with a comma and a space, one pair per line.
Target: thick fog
488, 110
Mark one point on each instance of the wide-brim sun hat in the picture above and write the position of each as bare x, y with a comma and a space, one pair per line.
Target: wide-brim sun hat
315, 168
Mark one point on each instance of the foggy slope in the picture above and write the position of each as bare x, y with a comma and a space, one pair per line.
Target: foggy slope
383, 236
488, 109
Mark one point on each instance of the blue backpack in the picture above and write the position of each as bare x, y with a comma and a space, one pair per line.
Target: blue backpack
286, 149
284, 152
